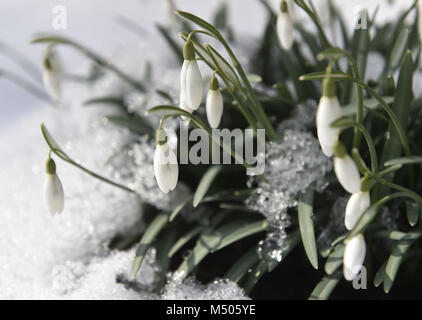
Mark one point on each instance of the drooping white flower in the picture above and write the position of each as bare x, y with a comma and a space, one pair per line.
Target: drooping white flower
52, 75
53, 189
354, 256
190, 79
214, 104
356, 206
346, 170
166, 168
328, 111
285, 25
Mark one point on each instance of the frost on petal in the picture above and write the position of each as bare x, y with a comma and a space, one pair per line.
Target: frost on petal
347, 173
194, 87
214, 108
356, 206
328, 111
354, 256
285, 30
53, 194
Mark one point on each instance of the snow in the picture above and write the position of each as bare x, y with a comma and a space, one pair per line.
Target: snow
67, 256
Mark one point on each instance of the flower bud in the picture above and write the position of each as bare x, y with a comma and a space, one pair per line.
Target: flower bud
53, 189
354, 256
51, 75
214, 104
356, 206
346, 170
328, 111
285, 26
191, 87
166, 168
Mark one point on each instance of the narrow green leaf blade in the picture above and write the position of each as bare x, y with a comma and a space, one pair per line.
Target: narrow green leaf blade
306, 226
151, 232
205, 184
323, 289
335, 259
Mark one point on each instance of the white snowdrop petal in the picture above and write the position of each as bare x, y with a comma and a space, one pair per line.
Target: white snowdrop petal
285, 30
214, 108
194, 87
51, 80
354, 256
347, 173
53, 194
356, 206
328, 111
166, 169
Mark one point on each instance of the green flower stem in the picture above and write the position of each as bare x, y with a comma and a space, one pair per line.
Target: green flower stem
26, 85
54, 40
65, 158
258, 110
411, 194
314, 17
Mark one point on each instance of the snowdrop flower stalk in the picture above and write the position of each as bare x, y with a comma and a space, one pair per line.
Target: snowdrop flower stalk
166, 168
285, 25
51, 75
354, 256
345, 168
357, 204
191, 87
214, 103
328, 111
53, 189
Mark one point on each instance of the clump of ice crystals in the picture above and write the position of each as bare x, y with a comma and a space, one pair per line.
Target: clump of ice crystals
292, 164
190, 289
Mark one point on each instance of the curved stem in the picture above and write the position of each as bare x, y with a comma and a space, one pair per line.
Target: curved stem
54, 40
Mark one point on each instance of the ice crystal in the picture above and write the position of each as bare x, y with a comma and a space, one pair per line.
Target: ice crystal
190, 289
293, 164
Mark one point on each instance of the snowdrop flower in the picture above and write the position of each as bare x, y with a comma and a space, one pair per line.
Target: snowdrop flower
53, 190
51, 75
328, 111
346, 170
190, 79
214, 104
354, 255
285, 25
357, 204
166, 168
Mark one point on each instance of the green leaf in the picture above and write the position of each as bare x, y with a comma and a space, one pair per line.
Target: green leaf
335, 259
114, 100
200, 22
222, 64
172, 110
149, 236
335, 75
396, 258
306, 226
135, 124
324, 288
241, 267
399, 48
185, 239
205, 183
215, 240
179, 208
380, 275
404, 160
177, 50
